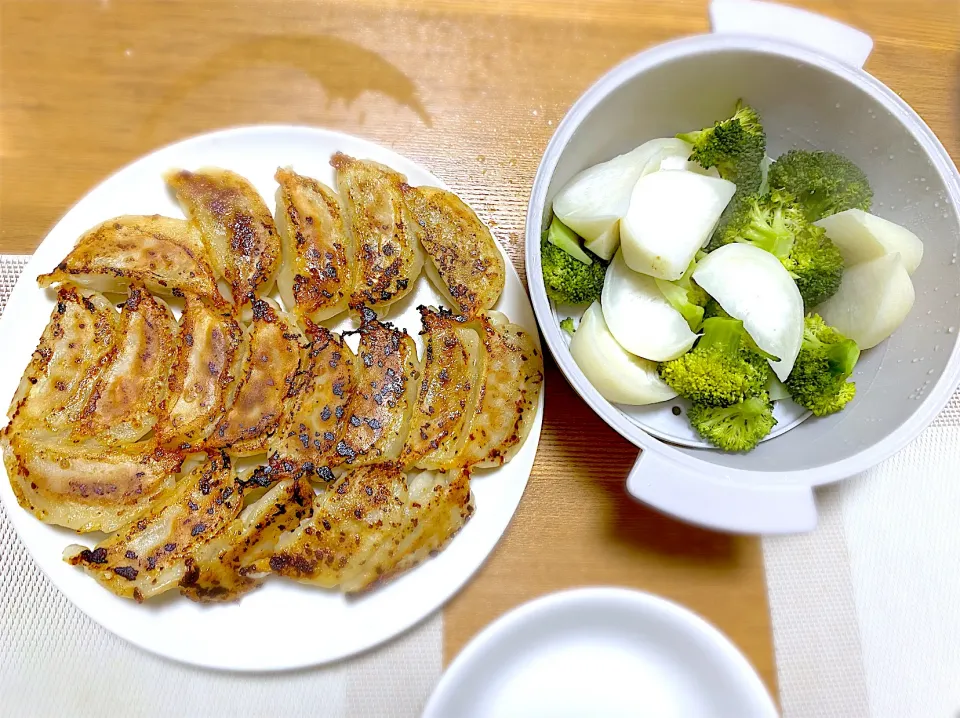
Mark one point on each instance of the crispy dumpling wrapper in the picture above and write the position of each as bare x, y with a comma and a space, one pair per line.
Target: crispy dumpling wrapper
164, 254
453, 368
203, 380
73, 350
507, 404
391, 527
126, 399
317, 273
464, 261
238, 229
389, 257
266, 376
385, 381
222, 569
85, 486
153, 554
316, 415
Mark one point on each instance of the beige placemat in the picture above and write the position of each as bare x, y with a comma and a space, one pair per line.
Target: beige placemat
54, 661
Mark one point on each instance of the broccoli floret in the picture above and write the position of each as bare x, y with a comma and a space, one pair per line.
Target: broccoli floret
686, 296
713, 309
720, 370
569, 280
734, 428
818, 381
736, 146
567, 326
775, 223
824, 183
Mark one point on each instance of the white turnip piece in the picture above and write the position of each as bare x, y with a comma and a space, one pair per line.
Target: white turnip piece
752, 285
873, 300
671, 216
617, 374
640, 317
861, 236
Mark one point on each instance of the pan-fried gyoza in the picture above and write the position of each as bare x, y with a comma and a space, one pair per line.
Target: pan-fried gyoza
317, 273
165, 255
355, 464
236, 225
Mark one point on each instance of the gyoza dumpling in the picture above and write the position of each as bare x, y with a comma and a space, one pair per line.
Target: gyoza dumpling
84, 486
209, 358
164, 254
128, 395
385, 381
452, 374
237, 227
152, 555
73, 349
463, 259
266, 376
316, 416
391, 527
316, 275
389, 257
222, 568
508, 398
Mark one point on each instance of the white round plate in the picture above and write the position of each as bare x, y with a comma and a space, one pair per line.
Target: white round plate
608, 652
230, 636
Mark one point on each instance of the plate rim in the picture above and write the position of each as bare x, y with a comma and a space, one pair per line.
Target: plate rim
596, 597
20, 517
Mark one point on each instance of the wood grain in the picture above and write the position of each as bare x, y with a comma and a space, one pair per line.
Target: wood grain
473, 89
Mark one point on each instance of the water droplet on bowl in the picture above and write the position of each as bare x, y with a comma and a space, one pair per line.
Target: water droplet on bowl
891, 156
936, 204
930, 371
914, 360
837, 105
951, 330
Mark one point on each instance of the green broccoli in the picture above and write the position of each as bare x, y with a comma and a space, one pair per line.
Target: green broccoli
818, 381
713, 309
567, 326
734, 428
736, 146
569, 280
775, 223
720, 370
686, 296
824, 183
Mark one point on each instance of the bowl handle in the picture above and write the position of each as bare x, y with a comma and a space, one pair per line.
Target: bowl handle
800, 27
687, 494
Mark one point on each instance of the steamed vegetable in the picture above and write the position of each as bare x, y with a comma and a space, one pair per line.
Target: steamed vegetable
617, 374
685, 296
674, 154
874, 299
720, 370
739, 427
861, 236
671, 216
824, 183
569, 280
818, 381
640, 317
592, 203
567, 326
751, 285
560, 235
776, 224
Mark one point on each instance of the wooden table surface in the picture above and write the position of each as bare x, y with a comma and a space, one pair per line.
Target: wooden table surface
473, 89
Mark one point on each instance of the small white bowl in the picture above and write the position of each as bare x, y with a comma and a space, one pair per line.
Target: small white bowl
607, 652
807, 99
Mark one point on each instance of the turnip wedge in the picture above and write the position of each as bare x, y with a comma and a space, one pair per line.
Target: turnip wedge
617, 374
671, 216
640, 318
874, 299
752, 285
861, 236
592, 203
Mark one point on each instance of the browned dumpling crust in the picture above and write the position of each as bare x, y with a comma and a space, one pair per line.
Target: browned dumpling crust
389, 258
237, 227
317, 273
165, 255
463, 260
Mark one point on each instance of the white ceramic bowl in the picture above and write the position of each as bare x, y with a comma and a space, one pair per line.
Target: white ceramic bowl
805, 79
